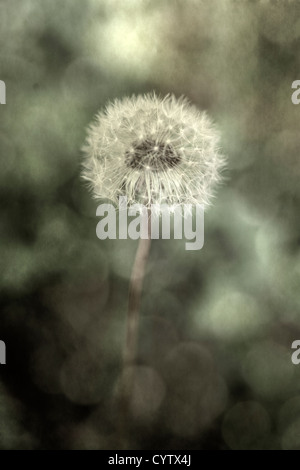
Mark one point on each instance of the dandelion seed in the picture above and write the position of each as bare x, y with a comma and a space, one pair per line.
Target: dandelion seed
153, 151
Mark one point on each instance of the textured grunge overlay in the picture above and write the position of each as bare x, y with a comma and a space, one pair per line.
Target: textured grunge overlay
217, 362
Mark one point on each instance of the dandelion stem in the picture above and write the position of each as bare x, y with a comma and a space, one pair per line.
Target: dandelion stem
131, 342
134, 299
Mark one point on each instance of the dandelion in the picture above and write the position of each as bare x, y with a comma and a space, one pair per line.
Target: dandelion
153, 151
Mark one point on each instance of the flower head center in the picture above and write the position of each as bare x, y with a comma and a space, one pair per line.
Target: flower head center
152, 155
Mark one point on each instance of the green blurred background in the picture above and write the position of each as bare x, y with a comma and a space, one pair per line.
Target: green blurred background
214, 367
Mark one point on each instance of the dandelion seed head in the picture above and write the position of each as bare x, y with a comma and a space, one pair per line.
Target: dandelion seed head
153, 151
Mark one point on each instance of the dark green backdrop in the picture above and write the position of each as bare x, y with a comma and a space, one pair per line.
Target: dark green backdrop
214, 368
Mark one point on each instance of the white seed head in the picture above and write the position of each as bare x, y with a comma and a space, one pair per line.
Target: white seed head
153, 151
